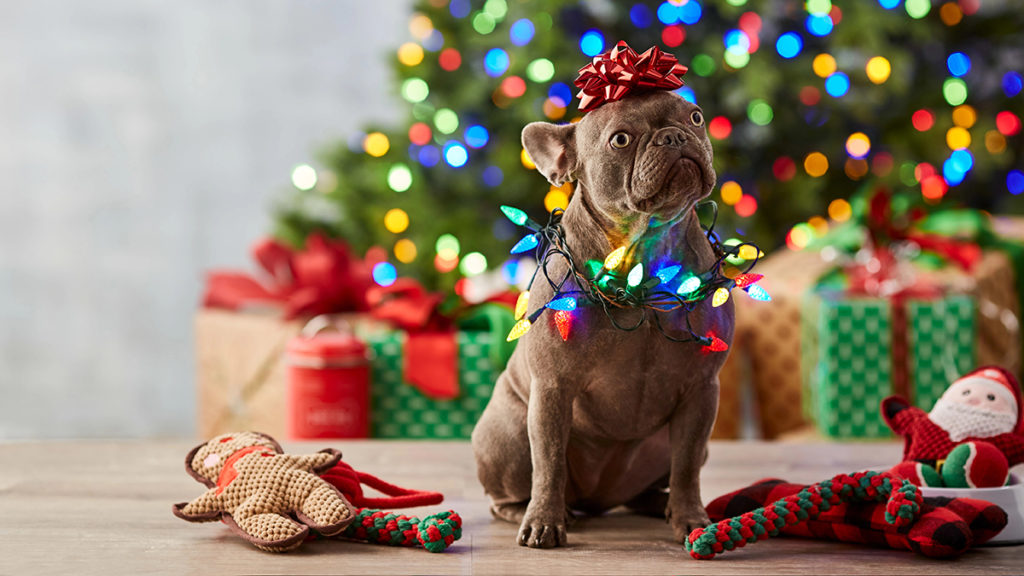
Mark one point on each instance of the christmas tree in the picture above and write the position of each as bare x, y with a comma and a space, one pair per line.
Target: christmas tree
806, 104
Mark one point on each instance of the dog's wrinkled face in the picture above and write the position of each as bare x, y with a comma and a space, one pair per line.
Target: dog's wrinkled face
646, 155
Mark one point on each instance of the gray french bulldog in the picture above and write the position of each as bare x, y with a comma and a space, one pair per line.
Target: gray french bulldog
611, 417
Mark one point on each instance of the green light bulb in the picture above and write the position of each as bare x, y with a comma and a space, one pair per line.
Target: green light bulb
689, 286
516, 215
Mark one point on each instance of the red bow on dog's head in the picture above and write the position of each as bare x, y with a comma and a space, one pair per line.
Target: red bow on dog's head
616, 73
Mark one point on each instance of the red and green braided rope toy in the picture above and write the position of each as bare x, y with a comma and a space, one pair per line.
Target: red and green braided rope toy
435, 532
903, 503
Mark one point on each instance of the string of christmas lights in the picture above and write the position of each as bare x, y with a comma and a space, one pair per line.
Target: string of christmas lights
603, 285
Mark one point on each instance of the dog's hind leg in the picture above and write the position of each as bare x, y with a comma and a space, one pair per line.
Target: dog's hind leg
502, 450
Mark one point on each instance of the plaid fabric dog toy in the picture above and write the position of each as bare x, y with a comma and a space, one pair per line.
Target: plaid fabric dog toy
945, 527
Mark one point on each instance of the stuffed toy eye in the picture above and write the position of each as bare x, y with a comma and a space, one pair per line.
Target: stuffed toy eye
620, 140
991, 397
697, 118
966, 392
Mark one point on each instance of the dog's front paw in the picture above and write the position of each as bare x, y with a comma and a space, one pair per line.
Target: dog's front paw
543, 528
686, 520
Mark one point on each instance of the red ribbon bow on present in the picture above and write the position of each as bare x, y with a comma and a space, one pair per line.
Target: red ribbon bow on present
322, 278
614, 74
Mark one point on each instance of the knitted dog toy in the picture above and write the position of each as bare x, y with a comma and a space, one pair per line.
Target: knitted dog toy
943, 528
971, 437
260, 492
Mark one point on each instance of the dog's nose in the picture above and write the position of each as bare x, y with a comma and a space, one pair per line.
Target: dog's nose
670, 136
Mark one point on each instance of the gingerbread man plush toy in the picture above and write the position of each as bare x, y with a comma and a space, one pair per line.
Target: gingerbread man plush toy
971, 437
256, 489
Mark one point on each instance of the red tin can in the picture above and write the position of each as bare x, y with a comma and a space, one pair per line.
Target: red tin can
328, 383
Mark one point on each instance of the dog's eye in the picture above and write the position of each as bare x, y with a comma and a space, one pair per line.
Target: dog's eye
697, 118
620, 140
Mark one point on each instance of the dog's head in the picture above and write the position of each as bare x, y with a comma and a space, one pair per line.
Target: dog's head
645, 156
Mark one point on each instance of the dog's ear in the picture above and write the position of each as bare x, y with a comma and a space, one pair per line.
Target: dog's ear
553, 149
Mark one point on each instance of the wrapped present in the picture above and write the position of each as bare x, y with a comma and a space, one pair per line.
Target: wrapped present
432, 371
858, 350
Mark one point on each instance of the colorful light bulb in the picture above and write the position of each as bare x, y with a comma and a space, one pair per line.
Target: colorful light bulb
565, 304
527, 243
521, 327
758, 293
716, 345
636, 276
667, 273
615, 258
522, 303
593, 268
744, 280
689, 286
721, 297
516, 215
563, 321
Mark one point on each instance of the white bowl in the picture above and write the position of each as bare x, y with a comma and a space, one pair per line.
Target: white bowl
1010, 498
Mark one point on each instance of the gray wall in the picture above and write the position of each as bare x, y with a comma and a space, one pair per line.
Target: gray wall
141, 142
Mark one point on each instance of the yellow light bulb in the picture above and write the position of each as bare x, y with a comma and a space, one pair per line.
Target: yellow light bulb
721, 297
521, 327
615, 258
522, 303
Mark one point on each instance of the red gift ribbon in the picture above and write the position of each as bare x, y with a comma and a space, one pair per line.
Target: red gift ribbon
614, 74
322, 278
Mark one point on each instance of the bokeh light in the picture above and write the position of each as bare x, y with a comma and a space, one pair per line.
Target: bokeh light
513, 87
858, 145
1015, 182
840, 210
410, 54
592, 42
446, 121
399, 178
376, 144
878, 69
473, 264
703, 65
950, 14
455, 154
815, 164
415, 90
560, 92
888, 4
731, 193
493, 176
819, 24
419, 133
459, 8
719, 128
384, 273
641, 15
405, 250
304, 177
954, 90
477, 136
673, 36
1012, 84
760, 112
837, 85
824, 65
855, 168
964, 116
448, 245
429, 156
557, 197
746, 207
923, 120
789, 45
450, 59
396, 220
933, 188
918, 9
524, 157
484, 23
1008, 123
496, 62
995, 142
540, 70
521, 32
958, 64
784, 169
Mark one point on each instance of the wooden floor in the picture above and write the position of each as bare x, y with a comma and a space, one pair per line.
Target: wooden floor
105, 508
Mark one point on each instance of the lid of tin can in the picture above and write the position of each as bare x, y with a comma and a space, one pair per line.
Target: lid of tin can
329, 341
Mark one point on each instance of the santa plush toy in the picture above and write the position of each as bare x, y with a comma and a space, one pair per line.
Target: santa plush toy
972, 436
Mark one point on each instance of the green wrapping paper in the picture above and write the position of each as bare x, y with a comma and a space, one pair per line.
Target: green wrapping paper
848, 364
399, 410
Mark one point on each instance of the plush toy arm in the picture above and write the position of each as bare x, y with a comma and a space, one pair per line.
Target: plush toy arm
324, 508
267, 531
900, 415
1011, 445
321, 461
206, 508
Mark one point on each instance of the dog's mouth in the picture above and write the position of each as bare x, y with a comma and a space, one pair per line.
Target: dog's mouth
682, 180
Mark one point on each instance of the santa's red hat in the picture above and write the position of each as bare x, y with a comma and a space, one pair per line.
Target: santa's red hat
1007, 379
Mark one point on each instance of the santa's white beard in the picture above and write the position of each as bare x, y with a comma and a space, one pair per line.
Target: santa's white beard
965, 421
